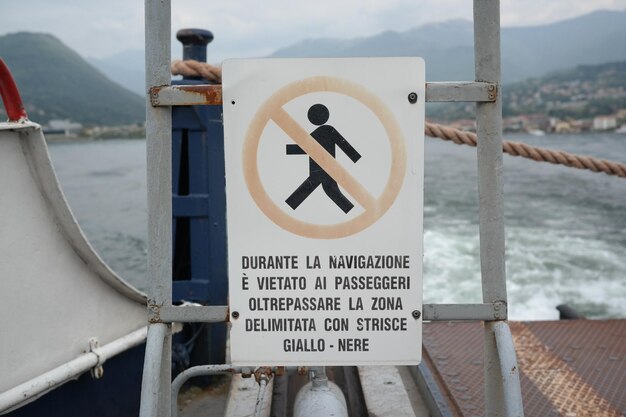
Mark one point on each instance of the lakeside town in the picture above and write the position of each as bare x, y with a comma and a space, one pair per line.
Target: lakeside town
584, 99
534, 124
588, 98
68, 129
540, 124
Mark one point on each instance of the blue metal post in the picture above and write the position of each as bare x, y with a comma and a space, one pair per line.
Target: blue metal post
199, 200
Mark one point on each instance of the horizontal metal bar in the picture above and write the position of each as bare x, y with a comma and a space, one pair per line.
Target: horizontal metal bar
444, 312
188, 314
211, 94
431, 312
196, 205
36, 387
384, 391
202, 370
461, 91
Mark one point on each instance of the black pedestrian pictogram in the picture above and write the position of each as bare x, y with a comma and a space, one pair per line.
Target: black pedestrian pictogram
327, 136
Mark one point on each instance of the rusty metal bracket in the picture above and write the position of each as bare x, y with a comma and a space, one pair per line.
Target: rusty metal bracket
154, 312
186, 95
500, 310
263, 372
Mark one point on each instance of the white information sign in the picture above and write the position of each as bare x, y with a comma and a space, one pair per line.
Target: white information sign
324, 186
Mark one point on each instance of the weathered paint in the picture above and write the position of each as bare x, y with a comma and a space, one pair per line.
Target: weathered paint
54, 284
316, 399
239, 403
384, 392
243, 398
186, 95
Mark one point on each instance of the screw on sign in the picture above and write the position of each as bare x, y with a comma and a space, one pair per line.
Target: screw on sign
323, 167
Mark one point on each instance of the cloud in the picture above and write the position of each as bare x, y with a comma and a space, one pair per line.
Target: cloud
253, 28
93, 28
527, 13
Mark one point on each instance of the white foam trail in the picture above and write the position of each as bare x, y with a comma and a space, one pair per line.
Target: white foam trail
545, 268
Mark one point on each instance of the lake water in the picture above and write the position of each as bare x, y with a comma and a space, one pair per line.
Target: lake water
565, 228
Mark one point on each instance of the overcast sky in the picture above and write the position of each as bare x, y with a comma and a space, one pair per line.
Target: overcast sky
251, 28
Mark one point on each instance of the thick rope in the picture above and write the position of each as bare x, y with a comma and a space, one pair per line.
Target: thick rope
190, 68
531, 152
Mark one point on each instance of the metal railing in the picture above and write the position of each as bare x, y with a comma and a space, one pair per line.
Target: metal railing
502, 388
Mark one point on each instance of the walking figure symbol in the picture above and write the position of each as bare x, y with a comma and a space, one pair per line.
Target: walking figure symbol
328, 137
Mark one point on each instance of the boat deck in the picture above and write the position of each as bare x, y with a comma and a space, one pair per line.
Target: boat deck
568, 368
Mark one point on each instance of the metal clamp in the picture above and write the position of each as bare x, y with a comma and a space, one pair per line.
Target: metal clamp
97, 371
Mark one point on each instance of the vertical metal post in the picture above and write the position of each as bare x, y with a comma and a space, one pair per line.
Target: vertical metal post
509, 370
152, 388
491, 192
155, 398
489, 130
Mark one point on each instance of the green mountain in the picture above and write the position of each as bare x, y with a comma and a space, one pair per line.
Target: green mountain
447, 47
579, 93
57, 83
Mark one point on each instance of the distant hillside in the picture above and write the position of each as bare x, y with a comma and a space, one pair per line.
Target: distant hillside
526, 51
583, 92
125, 68
57, 83
591, 39
448, 48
